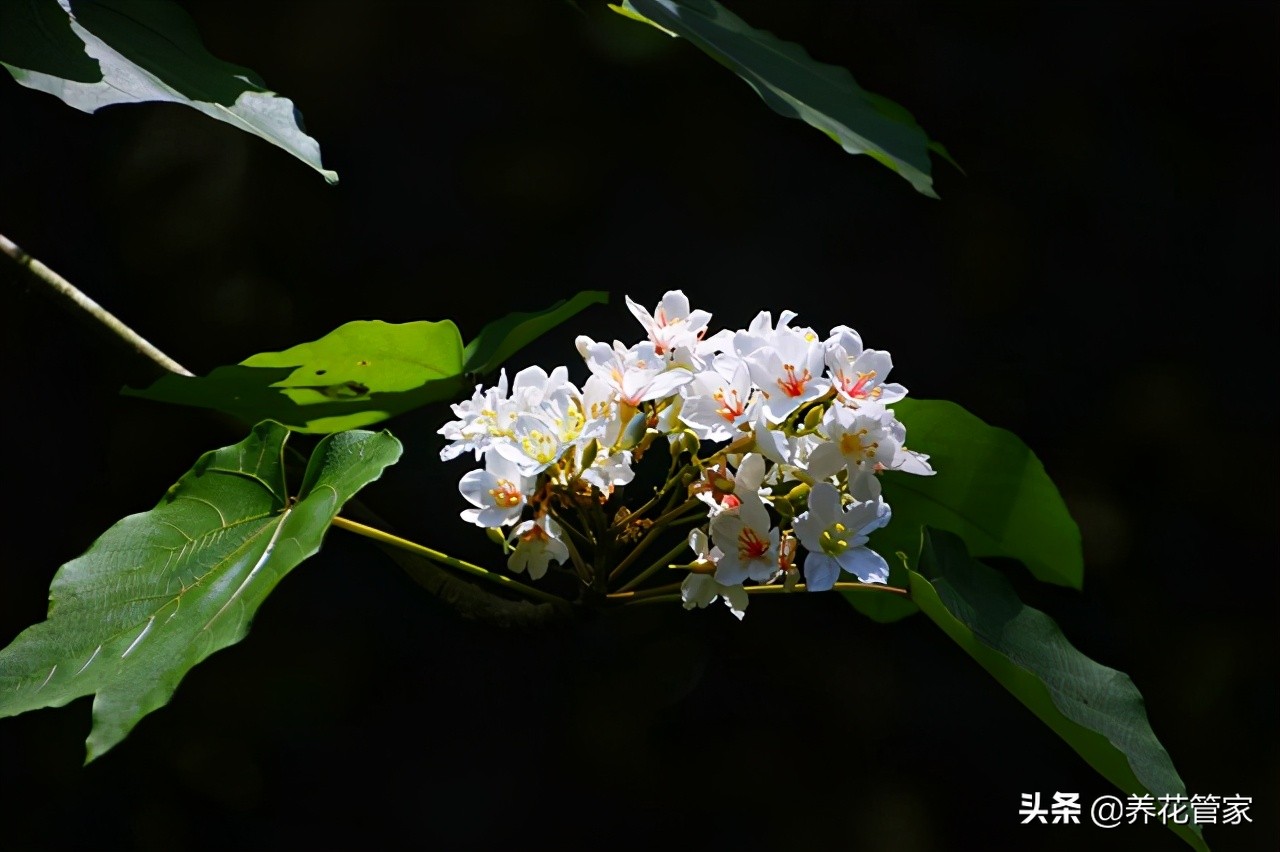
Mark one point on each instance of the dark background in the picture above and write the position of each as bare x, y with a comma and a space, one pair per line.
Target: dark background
1101, 282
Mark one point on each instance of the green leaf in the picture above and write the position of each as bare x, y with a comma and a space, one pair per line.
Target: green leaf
162, 590
1096, 710
104, 52
989, 489
797, 86
359, 374
502, 338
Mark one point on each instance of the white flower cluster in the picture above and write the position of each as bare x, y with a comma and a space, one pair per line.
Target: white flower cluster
806, 417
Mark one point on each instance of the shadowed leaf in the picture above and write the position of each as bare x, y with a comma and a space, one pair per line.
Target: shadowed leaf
795, 85
502, 338
1095, 709
989, 489
104, 52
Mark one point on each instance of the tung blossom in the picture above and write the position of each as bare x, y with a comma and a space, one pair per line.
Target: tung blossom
861, 441
791, 408
498, 493
717, 401
748, 540
788, 369
538, 544
671, 324
858, 374
836, 537
701, 590
636, 374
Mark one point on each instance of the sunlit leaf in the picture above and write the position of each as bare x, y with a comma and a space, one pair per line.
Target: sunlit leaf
104, 52
359, 374
797, 86
363, 372
162, 590
1095, 709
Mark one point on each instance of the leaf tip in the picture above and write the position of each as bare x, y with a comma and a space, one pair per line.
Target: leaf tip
626, 11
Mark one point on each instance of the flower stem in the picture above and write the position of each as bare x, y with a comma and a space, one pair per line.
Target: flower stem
662, 594
838, 587
68, 291
627, 597
445, 559
658, 565
659, 526
672, 481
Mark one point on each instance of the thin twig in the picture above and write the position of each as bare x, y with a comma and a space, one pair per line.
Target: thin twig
64, 288
445, 559
664, 594
75, 297
658, 565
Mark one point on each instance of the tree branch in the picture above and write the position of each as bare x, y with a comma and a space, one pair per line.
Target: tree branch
60, 286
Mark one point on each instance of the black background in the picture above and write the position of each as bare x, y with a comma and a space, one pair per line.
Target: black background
1101, 282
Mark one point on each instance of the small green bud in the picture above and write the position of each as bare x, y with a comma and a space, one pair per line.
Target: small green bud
686, 442
633, 434
813, 418
799, 498
589, 455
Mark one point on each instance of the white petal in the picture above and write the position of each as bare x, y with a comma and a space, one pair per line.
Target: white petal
865, 564
820, 572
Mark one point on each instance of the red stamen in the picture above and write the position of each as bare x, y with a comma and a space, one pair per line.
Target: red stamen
729, 410
793, 385
857, 389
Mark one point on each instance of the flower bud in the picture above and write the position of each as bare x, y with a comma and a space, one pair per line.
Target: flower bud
813, 418
633, 434
589, 454
685, 442
798, 498
495, 535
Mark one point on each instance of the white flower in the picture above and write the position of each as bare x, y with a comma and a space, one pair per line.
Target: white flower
636, 374
498, 492
788, 369
760, 332
788, 452
607, 470
859, 374
671, 324
749, 542
537, 545
718, 400
835, 538
863, 441
487, 415
701, 590
533, 385
717, 488
534, 444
